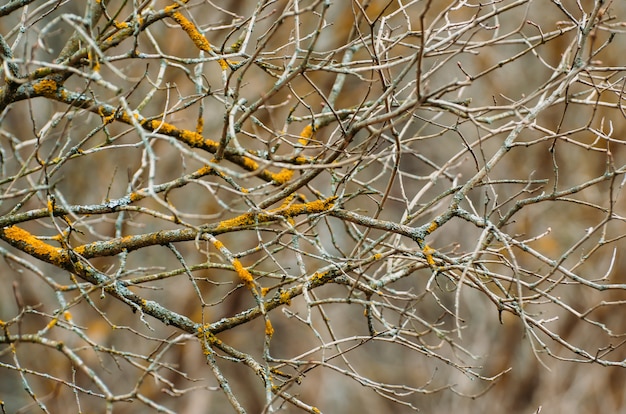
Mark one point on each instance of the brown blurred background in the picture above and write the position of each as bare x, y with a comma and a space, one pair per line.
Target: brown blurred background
532, 380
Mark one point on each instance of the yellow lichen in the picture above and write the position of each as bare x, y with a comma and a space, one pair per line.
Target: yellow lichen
94, 60
194, 139
282, 176
428, 254
67, 315
52, 323
63, 93
199, 125
300, 160
242, 220
45, 87
249, 164
316, 276
218, 244
288, 200
191, 138
244, 274
312, 207
432, 227
285, 297
106, 119
306, 134
204, 170
174, 6
50, 205
32, 245
269, 329
207, 338
223, 64
162, 127
192, 31
135, 196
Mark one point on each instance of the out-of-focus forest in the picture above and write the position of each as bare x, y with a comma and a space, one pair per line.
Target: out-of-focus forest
312, 206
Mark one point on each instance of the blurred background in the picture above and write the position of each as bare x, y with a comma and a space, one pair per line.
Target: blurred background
475, 72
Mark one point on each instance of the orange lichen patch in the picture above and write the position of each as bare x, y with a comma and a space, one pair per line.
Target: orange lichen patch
67, 315
317, 276
174, 6
106, 119
135, 196
288, 200
59, 237
30, 244
300, 160
285, 298
45, 87
123, 116
206, 170
244, 274
192, 31
94, 60
191, 138
196, 37
218, 244
205, 335
63, 93
52, 323
264, 291
282, 176
312, 207
249, 164
162, 127
120, 25
199, 125
50, 205
428, 254
223, 64
242, 220
269, 329
306, 135
115, 245
432, 227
